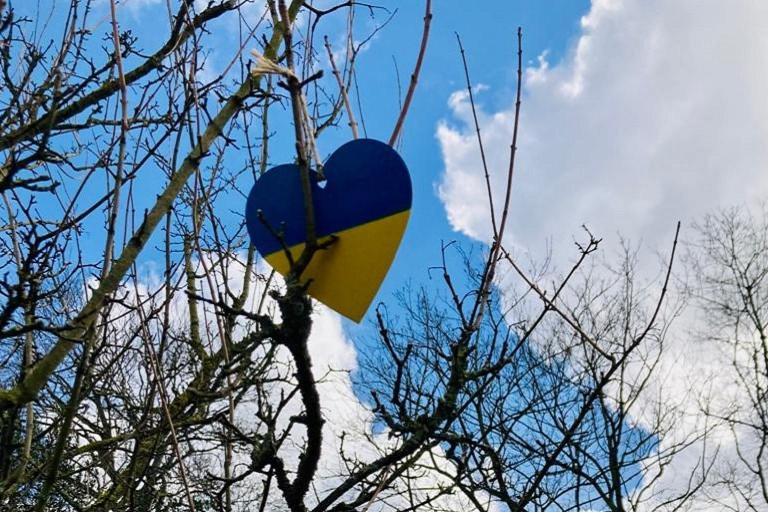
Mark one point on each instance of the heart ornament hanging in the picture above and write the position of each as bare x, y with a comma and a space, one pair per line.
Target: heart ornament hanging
365, 202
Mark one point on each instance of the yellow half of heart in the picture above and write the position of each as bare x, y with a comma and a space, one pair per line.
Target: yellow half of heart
347, 275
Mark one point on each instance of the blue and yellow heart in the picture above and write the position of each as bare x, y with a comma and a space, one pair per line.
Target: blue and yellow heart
365, 202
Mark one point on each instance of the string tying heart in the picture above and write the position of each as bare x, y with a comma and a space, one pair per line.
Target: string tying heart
265, 66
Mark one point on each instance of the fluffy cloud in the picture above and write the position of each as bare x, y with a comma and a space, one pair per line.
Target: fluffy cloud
657, 114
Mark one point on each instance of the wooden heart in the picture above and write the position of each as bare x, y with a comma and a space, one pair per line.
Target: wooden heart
365, 202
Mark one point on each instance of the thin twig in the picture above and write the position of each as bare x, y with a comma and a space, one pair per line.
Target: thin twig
513, 147
382, 483
342, 89
415, 76
550, 304
157, 373
479, 138
493, 257
124, 126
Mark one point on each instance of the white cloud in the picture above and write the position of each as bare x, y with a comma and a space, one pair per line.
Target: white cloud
657, 113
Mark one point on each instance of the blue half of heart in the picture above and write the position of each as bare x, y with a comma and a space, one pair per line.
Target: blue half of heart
365, 202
